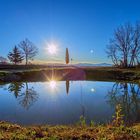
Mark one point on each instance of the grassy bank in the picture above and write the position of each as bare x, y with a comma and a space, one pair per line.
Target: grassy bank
75, 132
112, 74
69, 73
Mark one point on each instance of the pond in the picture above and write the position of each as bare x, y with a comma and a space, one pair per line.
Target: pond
63, 102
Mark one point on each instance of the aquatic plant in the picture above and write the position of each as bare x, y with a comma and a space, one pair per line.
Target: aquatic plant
118, 117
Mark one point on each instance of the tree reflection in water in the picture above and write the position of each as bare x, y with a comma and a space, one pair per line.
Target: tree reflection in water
25, 95
28, 97
128, 95
67, 86
15, 88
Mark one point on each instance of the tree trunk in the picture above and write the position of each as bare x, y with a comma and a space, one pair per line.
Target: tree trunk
26, 60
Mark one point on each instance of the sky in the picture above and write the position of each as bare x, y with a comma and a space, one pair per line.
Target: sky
82, 26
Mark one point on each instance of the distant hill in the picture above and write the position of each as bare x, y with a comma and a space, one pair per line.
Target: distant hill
95, 65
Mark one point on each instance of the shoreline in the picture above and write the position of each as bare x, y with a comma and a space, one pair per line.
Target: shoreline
38, 73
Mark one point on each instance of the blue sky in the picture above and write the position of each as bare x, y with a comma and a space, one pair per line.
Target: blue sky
80, 25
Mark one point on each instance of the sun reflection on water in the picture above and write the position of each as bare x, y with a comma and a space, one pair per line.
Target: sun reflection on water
52, 84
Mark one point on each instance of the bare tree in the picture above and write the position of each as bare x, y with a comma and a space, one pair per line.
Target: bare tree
29, 50
135, 50
112, 53
121, 44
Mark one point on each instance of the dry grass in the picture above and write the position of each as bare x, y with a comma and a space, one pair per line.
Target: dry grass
99, 132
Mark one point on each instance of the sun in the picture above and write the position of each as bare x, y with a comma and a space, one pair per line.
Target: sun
52, 48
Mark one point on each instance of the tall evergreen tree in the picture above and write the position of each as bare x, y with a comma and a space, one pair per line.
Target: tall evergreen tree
15, 56
67, 56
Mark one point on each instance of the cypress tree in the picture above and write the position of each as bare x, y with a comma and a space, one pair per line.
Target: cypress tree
67, 56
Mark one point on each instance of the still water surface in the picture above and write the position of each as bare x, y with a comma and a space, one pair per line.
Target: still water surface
63, 102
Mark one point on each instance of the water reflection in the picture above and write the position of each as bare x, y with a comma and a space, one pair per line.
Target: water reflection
15, 88
82, 102
128, 95
26, 96
63, 102
67, 86
52, 84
